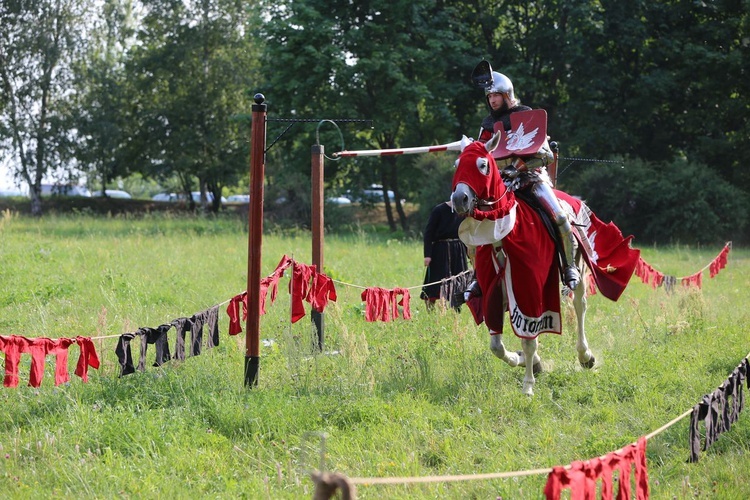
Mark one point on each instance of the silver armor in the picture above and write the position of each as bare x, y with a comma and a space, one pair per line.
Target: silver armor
532, 171
501, 84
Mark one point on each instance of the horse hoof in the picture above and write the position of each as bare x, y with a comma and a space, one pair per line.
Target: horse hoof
590, 363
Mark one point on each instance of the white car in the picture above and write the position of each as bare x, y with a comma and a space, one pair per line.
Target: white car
374, 194
196, 195
339, 200
239, 198
209, 196
113, 193
164, 197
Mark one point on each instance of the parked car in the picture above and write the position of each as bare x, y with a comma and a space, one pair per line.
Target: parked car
373, 194
239, 198
113, 193
339, 200
164, 197
65, 190
196, 195
209, 196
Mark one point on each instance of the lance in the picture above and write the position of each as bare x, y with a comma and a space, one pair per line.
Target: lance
453, 146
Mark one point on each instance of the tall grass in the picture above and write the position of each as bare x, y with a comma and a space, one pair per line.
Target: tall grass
405, 398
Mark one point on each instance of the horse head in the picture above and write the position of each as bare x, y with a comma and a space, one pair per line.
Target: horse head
477, 184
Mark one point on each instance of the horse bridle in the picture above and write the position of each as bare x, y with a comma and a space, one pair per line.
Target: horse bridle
485, 205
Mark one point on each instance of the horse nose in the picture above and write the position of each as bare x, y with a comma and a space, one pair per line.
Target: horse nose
460, 201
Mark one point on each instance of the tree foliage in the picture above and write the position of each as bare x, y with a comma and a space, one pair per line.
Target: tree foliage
162, 87
38, 44
642, 199
102, 97
379, 60
191, 69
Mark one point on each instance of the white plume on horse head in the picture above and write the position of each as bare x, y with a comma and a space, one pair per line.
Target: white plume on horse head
518, 139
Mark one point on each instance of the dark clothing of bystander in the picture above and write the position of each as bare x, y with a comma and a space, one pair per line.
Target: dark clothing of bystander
446, 254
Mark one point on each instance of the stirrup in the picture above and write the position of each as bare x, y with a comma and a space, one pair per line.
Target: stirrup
571, 277
472, 290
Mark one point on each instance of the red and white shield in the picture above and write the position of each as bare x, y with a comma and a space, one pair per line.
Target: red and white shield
527, 134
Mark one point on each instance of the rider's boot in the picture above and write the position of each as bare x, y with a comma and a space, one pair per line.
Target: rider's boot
472, 290
571, 274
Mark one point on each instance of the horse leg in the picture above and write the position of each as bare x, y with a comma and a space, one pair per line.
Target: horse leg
529, 350
585, 357
519, 358
498, 349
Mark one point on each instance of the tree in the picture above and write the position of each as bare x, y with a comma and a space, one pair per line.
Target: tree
191, 69
380, 60
38, 43
656, 80
101, 97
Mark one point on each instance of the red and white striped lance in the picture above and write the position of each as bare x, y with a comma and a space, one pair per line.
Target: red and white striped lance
453, 146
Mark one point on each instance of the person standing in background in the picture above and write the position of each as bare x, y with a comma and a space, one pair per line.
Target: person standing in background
444, 257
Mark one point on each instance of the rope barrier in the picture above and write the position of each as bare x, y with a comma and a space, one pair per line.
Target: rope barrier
361, 287
415, 287
496, 475
728, 244
444, 280
351, 482
657, 278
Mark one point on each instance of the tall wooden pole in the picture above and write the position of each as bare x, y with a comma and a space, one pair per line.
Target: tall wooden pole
255, 240
318, 167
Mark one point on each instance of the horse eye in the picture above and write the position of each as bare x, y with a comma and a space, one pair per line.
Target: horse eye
483, 165
455, 164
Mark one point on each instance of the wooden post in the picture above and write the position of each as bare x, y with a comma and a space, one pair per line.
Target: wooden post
255, 239
318, 167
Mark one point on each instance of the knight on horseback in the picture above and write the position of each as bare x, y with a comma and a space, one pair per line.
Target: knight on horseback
527, 176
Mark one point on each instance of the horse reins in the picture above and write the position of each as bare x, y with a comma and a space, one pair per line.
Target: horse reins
485, 205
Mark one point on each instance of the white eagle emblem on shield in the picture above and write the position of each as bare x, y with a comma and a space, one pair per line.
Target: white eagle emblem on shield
519, 139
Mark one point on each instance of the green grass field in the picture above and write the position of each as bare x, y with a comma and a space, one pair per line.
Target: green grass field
407, 398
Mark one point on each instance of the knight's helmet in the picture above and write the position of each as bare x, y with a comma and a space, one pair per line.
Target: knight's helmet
492, 81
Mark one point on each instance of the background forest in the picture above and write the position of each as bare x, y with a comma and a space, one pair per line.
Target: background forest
649, 101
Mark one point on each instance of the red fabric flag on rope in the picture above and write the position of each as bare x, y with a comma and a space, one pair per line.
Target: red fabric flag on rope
39, 348
581, 476
651, 276
695, 280
720, 262
382, 304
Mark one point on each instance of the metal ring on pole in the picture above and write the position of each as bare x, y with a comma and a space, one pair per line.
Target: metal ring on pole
317, 137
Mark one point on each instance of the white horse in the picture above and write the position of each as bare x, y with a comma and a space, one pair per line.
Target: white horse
516, 259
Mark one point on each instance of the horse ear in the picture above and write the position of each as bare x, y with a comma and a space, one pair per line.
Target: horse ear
465, 141
493, 143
